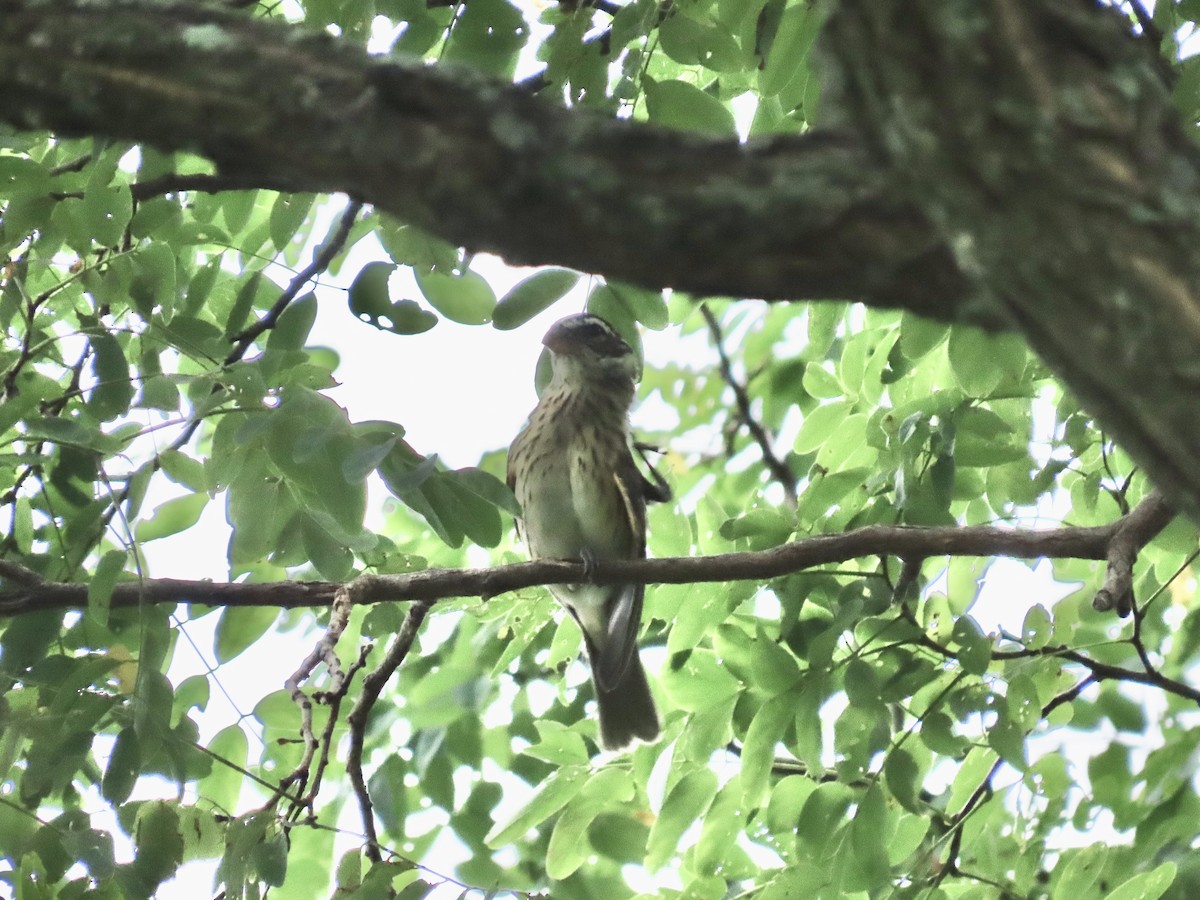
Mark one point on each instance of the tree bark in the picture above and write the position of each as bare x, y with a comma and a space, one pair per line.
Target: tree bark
1042, 140
999, 162
484, 165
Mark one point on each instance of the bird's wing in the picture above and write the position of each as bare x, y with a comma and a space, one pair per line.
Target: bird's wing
624, 613
655, 489
510, 472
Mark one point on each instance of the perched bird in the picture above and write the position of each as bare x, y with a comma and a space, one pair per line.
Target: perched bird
583, 497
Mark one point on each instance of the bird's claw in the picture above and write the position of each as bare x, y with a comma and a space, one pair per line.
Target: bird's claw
589, 560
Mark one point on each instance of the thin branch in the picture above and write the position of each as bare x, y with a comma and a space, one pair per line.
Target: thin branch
436, 584
334, 700
320, 262
177, 182
779, 470
1134, 531
1099, 671
324, 652
357, 720
910, 571
242, 342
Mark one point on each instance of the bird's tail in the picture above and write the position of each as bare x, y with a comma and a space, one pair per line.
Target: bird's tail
627, 709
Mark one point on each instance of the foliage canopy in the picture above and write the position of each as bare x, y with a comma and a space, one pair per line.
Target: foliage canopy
848, 729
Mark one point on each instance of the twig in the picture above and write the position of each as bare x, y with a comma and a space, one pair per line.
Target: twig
334, 699
602, 39
175, 182
779, 470
320, 262
1099, 671
357, 720
910, 571
323, 652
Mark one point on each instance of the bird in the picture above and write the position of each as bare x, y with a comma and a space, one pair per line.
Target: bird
583, 497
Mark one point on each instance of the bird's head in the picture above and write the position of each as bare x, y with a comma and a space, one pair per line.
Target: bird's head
584, 348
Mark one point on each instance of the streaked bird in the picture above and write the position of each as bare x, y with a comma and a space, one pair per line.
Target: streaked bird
582, 496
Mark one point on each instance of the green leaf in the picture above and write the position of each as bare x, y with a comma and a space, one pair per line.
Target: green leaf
823, 322
646, 306
765, 526
158, 842
821, 383
679, 105
772, 668
980, 361
124, 766
172, 517
409, 317
919, 335
700, 683
1146, 885
465, 298
484, 484
568, 848
294, 324
758, 750
270, 859
820, 424
798, 27
1037, 628
975, 650
684, 805
903, 778
717, 845
153, 280
862, 684
244, 302
532, 296
239, 628
101, 585
369, 296
184, 470
223, 786
556, 792
787, 800
288, 212
455, 503
973, 772
691, 42
113, 392
488, 35
1078, 870
822, 817
869, 840
1007, 738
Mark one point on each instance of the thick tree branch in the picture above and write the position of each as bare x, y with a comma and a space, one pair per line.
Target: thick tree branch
434, 584
1019, 164
1042, 138
482, 164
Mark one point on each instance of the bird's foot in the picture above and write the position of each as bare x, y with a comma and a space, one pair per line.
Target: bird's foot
589, 560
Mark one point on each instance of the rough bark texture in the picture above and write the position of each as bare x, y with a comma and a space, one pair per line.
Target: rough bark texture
1042, 140
998, 161
481, 164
